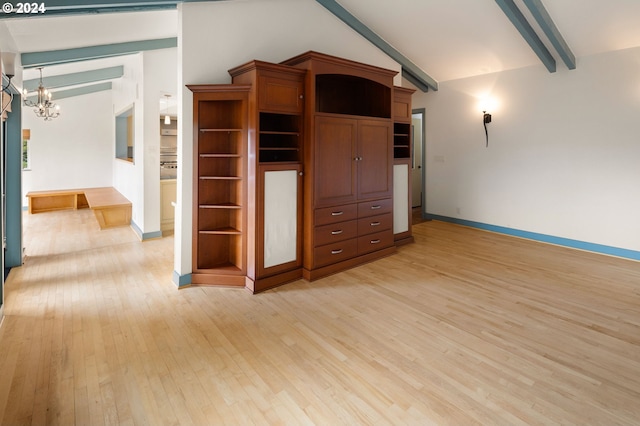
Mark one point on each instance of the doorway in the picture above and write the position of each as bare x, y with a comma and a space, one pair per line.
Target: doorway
417, 168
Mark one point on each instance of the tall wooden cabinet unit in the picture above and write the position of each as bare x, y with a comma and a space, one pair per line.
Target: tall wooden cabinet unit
348, 163
220, 184
403, 163
276, 104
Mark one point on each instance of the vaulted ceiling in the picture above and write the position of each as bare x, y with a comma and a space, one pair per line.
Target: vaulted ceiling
442, 39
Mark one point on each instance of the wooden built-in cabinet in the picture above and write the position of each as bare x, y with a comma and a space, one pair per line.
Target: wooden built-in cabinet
348, 163
220, 184
295, 172
275, 159
403, 163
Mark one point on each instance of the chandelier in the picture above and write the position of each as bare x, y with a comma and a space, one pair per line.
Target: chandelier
43, 107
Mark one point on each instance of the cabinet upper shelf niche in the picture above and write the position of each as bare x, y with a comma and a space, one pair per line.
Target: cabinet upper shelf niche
352, 95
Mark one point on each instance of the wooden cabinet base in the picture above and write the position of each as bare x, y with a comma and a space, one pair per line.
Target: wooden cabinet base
316, 273
262, 284
219, 280
404, 240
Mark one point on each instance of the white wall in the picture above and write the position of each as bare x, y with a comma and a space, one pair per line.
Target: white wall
217, 36
128, 178
74, 150
160, 78
563, 150
147, 77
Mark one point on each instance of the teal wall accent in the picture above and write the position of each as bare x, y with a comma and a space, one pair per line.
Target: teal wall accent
78, 7
522, 25
181, 280
54, 57
560, 241
84, 90
13, 184
76, 78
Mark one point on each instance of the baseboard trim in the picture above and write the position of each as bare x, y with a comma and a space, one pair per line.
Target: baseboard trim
181, 280
143, 236
551, 239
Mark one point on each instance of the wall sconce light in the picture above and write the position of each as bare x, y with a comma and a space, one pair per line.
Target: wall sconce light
486, 103
486, 118
9, 70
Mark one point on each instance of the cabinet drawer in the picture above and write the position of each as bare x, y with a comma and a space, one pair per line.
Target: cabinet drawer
373, 242
369, 225
372, 208
328, 215
334, 232
332, 253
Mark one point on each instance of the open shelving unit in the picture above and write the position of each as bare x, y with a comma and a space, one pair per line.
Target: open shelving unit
220, 184
279, 139
401, 140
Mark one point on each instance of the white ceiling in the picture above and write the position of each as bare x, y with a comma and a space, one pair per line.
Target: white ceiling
448, 39
452, 39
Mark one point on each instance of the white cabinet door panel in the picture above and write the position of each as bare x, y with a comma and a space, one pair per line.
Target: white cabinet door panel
280, 216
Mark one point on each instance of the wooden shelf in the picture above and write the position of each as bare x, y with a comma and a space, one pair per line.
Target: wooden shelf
268, 132
279, 138
220, 130
220, 178
220, 156
279, 149
219, 221
401, 140
221, 231
220, 206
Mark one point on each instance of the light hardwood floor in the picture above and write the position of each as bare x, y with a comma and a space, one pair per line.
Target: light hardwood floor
463, 327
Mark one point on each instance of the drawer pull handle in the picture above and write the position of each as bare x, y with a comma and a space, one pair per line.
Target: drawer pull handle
338, 232
376, 207
375, 241
336, 251
375, 223
336, 213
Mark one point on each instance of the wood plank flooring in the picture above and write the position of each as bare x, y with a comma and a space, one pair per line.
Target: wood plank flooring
463, 327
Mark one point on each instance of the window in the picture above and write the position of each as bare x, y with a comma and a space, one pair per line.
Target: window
26, 135
125, 139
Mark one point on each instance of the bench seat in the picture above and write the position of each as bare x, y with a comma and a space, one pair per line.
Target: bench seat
110, 207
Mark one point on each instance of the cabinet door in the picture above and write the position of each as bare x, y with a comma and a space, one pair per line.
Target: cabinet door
280, 217
279, 94
335, 179
401, 202
281, 223
375, 159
